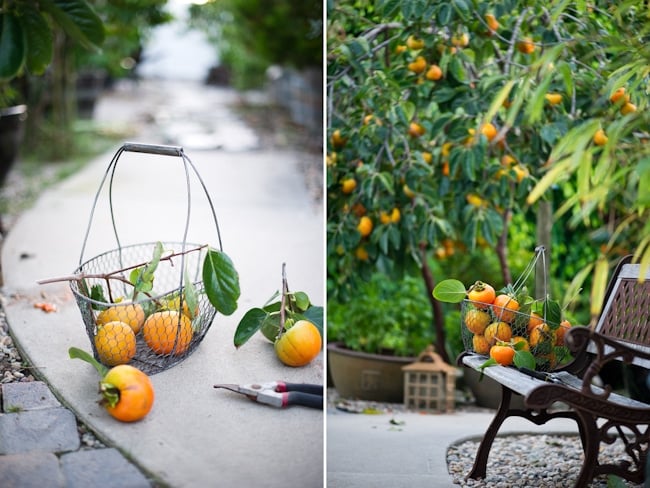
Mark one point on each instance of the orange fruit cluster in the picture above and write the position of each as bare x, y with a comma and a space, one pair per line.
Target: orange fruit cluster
167, 331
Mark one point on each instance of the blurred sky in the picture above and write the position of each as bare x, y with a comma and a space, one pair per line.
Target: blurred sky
174, 52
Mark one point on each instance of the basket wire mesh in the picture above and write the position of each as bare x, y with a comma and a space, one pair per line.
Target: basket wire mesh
156, 329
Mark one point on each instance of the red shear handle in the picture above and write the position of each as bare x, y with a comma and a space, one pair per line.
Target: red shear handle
303, 387
300, 398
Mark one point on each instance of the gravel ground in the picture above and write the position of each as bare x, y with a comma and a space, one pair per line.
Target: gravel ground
542, 461
13, 369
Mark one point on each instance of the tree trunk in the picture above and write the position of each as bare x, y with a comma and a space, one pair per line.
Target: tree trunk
438, 322
62, 97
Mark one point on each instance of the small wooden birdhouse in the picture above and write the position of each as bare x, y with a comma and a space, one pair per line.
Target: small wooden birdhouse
429, 383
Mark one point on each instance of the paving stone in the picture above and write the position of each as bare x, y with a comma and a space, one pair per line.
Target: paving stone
47, 430
35, 469
100, 467
31, 395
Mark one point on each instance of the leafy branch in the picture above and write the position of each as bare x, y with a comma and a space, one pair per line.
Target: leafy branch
274, 317
118, 274
220, 279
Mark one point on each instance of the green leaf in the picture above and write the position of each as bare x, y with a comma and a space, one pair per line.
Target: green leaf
142, 278
249, 324
552, 313
457, 69
272, 307
151, 266
271, 326
535, 107
190, 295
462, 8
444, 14
599, 284
38, 38
302, 300
488, 363
221, 281
76, 353
614, 481
77, 19
387, 180
552, 132
140, 285
524, 359
12, 46
97, 294
409, 110
498, 100
450, 291
315, 315
469, 165
389, 7
519, 345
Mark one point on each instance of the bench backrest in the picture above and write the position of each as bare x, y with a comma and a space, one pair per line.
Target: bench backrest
626, 314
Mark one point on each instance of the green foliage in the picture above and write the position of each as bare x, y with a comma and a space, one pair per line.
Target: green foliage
453, 332
450, 182
128, 24
385, 316
26, 32
251, 35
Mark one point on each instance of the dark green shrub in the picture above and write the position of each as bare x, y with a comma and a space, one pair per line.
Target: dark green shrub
385, 316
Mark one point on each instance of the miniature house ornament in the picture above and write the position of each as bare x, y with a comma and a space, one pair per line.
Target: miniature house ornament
429, 383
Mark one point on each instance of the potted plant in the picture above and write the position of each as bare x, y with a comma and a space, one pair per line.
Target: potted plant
12, 128
30, 33
384, 327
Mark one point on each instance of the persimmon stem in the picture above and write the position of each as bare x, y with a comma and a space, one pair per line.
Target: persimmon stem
283, 301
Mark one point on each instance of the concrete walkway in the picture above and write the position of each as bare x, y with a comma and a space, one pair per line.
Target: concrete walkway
195, 436
407, 449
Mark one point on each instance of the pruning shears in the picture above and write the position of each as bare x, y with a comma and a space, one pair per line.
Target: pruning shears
280, 394
550, 377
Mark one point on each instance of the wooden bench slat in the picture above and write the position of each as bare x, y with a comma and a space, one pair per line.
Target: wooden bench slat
523, 384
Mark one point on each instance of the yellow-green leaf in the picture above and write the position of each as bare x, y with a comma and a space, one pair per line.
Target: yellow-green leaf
601, 270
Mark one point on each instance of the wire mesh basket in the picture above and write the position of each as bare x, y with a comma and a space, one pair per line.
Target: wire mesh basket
156, 325
484, 325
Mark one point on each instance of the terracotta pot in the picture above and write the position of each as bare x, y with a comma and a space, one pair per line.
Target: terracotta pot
363, 376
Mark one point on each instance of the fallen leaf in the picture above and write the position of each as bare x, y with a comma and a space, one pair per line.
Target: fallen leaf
45, 307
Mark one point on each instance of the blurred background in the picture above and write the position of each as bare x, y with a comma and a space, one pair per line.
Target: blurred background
75, 87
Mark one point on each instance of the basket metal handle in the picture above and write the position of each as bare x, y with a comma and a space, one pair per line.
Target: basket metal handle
153, 149
157, 150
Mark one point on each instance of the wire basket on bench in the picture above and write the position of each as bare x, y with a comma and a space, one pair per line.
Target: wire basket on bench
152, 327
483, 325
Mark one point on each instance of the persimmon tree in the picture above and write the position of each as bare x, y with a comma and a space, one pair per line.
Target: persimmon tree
446, 119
